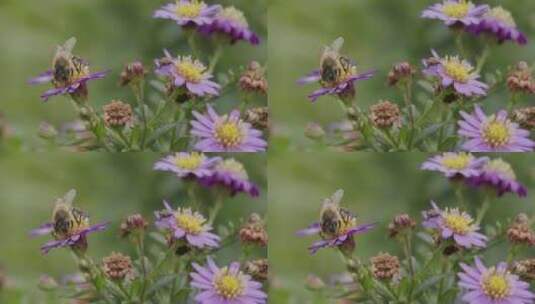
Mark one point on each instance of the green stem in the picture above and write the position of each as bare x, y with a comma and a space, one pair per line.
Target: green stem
215, 58
441, 283
215, 210
460, 196
173, 286
483, 58
191, 194
407, 96
513, 250
179, 114
139, 92
483, 210
512, 102
460, 44
192, 44
141, 255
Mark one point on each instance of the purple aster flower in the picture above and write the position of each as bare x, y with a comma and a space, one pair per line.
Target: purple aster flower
454, 165
454, 224
494, 285
187, 165
456, 12
452, 72
70, 227
500, 23
231, 22
231, 174
226, 133
188, 74
499, 175
226, 285
69, 74
337, 74
334, 234
183, 223
188, 12
495, 133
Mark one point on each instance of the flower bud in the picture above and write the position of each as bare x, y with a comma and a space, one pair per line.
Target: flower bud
258, 269
133, 224
520, 79
117, 267
525, 117
132, 73
520, 232
117, 114
524, 269
258, 117
253, 232
385, 266
47, 131
253, 79
47, 283
400, 224
313, 282
385, 115
314, 131
400, 72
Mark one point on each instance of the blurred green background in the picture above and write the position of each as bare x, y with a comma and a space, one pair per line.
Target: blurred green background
377, 187
110, 33
110, 187
378, 33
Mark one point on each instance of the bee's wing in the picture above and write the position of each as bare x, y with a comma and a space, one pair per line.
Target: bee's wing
68, 198
337, 196
337, 44
68, 46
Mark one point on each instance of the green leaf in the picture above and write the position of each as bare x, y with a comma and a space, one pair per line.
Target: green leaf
429, 283
161, 131
161, 283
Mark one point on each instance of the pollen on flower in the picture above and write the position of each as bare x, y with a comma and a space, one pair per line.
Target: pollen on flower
191, 70
496, 133
189, 10
457, 69
498, 165
191, 222
228, 286
189, 162
456, 9
228, 134
459, 222
495, 285
501, 14
234, 14
457, 161
232, 165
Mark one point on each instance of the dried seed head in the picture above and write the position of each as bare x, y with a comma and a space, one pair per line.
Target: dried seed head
520, 79
132, 73
133, 224
525, 269
253, 232
520, 232
258, 269
385, 266
400, 72
253, 79
385, 115
314, 282
258, 117
525, 117
401, 223
117, 114
117, 267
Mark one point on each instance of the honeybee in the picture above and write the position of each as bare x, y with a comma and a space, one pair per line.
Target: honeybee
333, 66
334, 220
67, 67
66, 218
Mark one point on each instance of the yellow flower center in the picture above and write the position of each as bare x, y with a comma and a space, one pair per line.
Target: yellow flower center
190, 162
498, 165
456, 10
502, 15
228, 134
228, 286
496, 133
458, 223
496, 286
190, 223
233, 14
458, 70
457, 161
189, 10
191, 71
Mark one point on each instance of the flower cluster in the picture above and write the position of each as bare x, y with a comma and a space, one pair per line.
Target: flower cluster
183, 117
183, 240
453, 86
